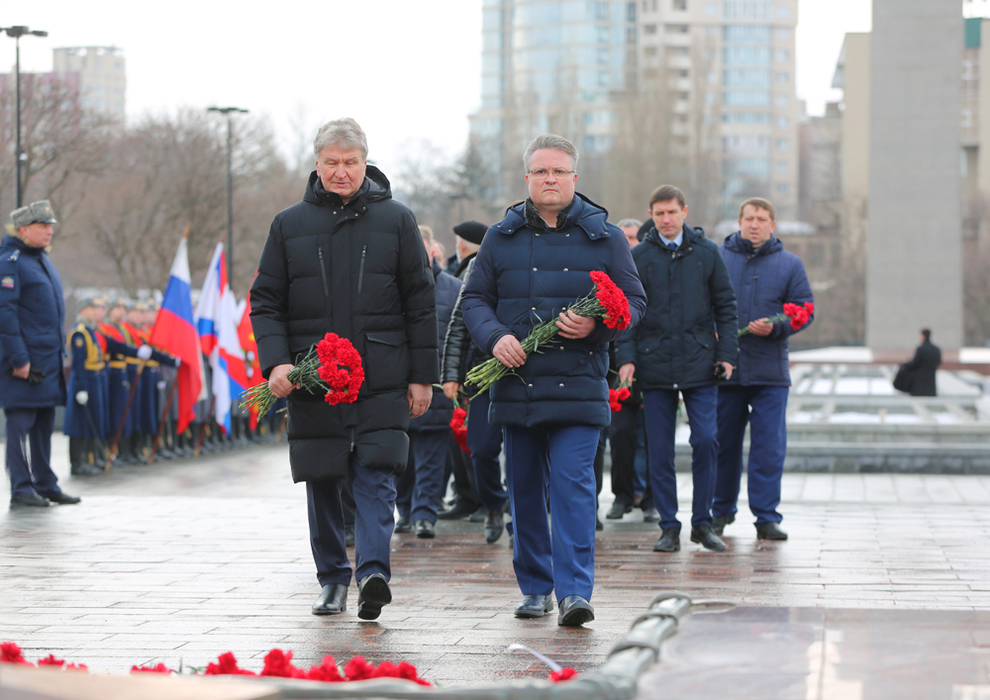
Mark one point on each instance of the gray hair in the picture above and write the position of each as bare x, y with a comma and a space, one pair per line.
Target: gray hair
552, 141
345, 133
629, 222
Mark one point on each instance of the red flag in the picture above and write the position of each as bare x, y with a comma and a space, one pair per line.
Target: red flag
246, 334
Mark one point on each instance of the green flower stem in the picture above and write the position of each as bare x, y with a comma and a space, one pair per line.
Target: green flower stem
773, 319
305, 373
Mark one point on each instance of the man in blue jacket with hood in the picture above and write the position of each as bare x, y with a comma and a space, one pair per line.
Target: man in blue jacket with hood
765, 277
531, 266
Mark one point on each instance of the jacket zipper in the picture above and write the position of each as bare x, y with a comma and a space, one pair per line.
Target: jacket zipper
352, 439
364, 254
323, 273
756, 291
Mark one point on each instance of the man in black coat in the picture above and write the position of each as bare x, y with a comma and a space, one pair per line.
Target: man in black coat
32, 352
348, 259
920, 371
687, 339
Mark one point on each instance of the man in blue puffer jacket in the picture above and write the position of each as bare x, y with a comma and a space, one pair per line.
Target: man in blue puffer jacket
531, 266
32, 351
765, 277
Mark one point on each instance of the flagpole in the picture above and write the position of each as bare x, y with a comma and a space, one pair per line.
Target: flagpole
161, 423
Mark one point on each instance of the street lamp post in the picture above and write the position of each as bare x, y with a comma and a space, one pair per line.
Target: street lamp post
227, 111
16, 33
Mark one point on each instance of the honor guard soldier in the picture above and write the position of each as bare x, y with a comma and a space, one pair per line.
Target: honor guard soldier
87, 411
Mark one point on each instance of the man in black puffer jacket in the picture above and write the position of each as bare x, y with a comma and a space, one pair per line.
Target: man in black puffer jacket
348, 260
686, 340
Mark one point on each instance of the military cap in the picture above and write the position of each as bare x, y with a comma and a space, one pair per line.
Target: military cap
118, 301
471, 231
100, 301
35, 213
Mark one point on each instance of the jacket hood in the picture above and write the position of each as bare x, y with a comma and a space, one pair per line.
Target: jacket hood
589, 217
691, 235
375, 188
737, 244
11, 241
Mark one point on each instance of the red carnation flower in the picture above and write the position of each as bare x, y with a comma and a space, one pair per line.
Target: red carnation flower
160, 668
10, 653
227, 666
340, 369
613, 299
279, 663
358, 669
458, 424
564, 674
50, 660
326, 671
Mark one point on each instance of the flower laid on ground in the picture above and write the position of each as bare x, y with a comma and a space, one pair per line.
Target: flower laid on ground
797, 314
278, 664
458, 424
617, 396
565, 674
605, 301
332, 366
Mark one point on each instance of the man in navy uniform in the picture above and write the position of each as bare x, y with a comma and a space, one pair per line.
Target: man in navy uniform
32, 350
87, 412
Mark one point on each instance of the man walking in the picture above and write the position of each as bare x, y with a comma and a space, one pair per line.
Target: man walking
32, 353
765, 277
687, 340
531, 265
348, 259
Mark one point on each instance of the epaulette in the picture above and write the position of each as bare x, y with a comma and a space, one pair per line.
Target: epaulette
13, 256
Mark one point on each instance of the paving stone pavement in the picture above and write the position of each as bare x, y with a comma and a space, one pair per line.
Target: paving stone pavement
181, 561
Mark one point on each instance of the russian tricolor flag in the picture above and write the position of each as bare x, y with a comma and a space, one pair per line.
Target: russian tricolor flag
175, 334
227, 361
208, 306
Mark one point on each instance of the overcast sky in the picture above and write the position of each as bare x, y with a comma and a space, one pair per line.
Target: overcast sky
407, 71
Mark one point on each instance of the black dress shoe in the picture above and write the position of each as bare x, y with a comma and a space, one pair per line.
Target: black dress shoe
535, 605
403, 524
617, 510
575, 611
670, 540
332, 600
29, 499
719, 522
651, 515
494, 526
461, 509
478, 516
348, 536
64, 499
706, 537
599, 525
85, 470
373, 595
425, 530
770, 531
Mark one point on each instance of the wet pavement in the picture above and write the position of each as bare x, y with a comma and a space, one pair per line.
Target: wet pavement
181, 561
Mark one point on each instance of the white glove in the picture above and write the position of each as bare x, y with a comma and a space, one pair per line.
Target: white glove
178, 362
250, 355
162, 385
144, 352
82, 398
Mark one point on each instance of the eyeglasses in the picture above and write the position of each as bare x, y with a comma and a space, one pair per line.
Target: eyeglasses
543, 173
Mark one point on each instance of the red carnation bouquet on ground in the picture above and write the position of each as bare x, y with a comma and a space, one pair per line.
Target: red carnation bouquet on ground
605, 301
332, 366
797, 314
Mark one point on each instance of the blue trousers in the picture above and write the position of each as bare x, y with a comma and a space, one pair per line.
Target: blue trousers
559, 462
419, 488
374, 519
485, 442
661, 423
31, 426
765, 409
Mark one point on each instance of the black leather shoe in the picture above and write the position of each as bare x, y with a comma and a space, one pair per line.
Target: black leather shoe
670, 540
64, 499
85, 470
617, 511
425, 530
575, 611
770, 531
535, 605
651, 515
373, 595
719, 522
348, 536
706, 537
30, 499
599, 525
478, 516
403, 524
494, 526
332, 600
461, 509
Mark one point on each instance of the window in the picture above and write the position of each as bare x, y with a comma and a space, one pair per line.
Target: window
746, 78
782, 122
783, 55
677, 29
711, 9
783, 33
746, 118
782, 166
782, 188
783, 77
650, 51
741, 98
782, 144
747, 9
746, 56
782, 100
746, 34
649, 29
783, 11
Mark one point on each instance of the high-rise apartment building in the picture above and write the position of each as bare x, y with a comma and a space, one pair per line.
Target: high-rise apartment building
101, 77
723, 69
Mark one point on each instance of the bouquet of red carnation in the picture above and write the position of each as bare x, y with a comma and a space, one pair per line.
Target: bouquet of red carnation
458, 424
798, 316
617, 396
332, 366
605, 301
